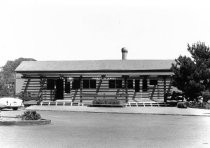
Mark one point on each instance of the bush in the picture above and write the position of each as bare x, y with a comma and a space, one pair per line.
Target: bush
30, 115
182, 105
206, 105
196, 104
24, 96
206, 96
106, 101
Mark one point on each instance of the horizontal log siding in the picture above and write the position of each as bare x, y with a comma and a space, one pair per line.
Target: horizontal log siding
154, 91
157, 91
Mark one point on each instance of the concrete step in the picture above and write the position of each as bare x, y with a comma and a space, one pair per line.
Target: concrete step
145, 104
129, 104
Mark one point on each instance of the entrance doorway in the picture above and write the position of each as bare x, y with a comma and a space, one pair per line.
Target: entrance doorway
137, 86
59, 89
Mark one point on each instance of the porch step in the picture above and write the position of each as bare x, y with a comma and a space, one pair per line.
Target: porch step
145, 104
129, 104
61, 103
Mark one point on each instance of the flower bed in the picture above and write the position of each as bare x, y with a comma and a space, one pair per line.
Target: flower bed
182, 104
28, 118
30, 115
106, 103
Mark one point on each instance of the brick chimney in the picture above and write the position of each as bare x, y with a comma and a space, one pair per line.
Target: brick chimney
124, 53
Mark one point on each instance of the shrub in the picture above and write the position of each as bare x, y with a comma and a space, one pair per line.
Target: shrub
106, 101
24, 96
182, 105
187, 103
196, 104
206, 105
206, 96
30, 115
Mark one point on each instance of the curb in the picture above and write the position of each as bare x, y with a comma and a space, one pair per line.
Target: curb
171, 114
146, 113
25, 122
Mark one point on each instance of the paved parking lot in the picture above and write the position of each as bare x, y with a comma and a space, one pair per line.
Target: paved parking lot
82, 129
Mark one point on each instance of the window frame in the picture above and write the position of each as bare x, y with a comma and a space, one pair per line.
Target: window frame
76, 84
130, 84
50, 84
118, 83
85, 84
92, 86
89, 84
144, 85
67, 87
153, 82
112, 84
115, 84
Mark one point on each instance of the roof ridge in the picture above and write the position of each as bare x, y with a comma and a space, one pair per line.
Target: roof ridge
103, 60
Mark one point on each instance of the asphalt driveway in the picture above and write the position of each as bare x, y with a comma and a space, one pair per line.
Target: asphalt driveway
94, 130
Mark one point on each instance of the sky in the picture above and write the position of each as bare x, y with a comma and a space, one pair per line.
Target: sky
49, 30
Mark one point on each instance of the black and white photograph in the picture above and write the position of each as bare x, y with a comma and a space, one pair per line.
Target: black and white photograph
104, 74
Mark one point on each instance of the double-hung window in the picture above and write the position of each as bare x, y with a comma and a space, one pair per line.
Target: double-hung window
130, 84
76, 84
115, 83
89, 84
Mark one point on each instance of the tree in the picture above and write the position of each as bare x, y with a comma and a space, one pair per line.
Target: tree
7, 76
3, 89
201, 55
191, 75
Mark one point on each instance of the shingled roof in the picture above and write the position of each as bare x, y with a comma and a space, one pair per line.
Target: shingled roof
94, 65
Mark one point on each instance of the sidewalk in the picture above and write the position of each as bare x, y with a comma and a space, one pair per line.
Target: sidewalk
127, 110
124, 110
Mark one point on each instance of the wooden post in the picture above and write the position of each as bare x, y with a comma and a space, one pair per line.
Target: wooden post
80, 79
164, 82
26, 86
42, 82
126, 88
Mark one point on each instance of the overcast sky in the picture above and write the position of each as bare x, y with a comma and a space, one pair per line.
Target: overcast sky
98, 29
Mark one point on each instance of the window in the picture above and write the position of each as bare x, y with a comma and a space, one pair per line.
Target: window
130, 84
86, 83
144, 88
89, 84
92, 83
153, 82
67, 87
118, 83
115, 83
112, 84
50, 84
76, 84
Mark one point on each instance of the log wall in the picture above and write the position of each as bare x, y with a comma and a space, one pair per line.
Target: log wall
102, 90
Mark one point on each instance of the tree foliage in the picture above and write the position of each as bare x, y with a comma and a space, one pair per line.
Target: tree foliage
192, 75
7, 76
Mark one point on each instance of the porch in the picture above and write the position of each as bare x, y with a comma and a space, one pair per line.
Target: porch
83, 89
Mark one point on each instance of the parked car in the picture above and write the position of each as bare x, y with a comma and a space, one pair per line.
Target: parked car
172, 98
11, 103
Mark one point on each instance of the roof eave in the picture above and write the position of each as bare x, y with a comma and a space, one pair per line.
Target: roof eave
92, 71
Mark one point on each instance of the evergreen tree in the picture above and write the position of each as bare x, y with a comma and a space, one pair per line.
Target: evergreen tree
191, 75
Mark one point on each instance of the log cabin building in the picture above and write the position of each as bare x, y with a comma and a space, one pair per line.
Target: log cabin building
82, 81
